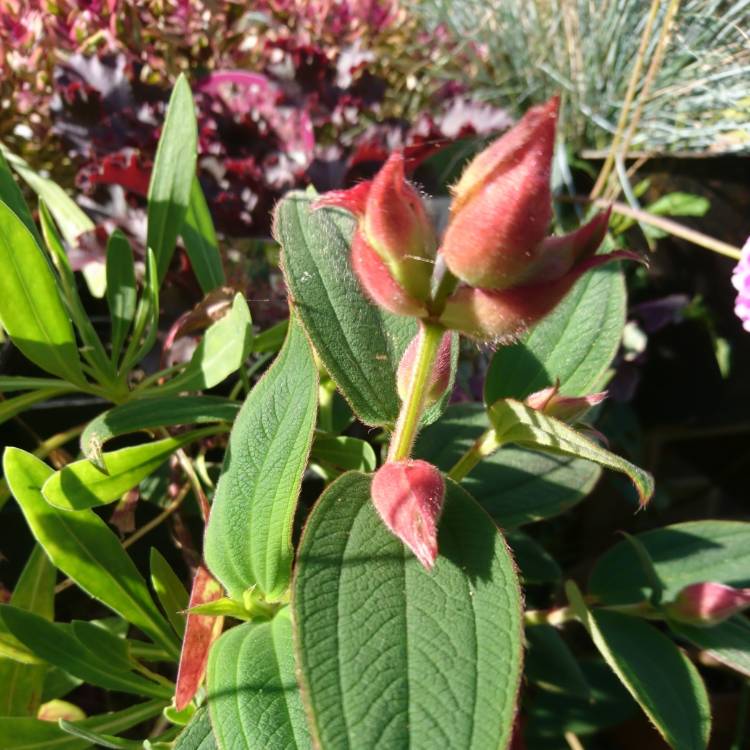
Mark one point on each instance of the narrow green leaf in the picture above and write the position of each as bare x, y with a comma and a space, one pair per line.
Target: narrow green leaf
51, 642
199, 236
728, 642
98, 738
517, 423
83, 547
514, 485
12, 196
249, 536
105, 646
575, 344
35, 734
391, 655
170, 590
222, 351
198, 734
551, 665
82, 485
347, 453
253, 696
172, 175
146, 322
685, 553
135, 416
122, 291
359, 343
657, 674
12, 406
35, 592
31, 310
22, 383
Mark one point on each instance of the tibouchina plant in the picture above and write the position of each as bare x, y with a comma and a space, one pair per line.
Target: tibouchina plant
385, 608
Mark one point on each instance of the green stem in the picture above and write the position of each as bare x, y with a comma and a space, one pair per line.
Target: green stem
485, 445
412, 408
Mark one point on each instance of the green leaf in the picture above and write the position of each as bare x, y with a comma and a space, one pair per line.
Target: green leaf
12, 406
122, 290
252, 691
517, 423
551, 665
728, 642
513, 485
51, 642
103, 644
170, 590
166, 411
198, 734
222, 351
35, 592
535, 563
271, 339
679, 204
682, 554
199, 236
657, 674
82, 485
172, 175
347, 453
82, 546
22, 383
31, 309
359, 344
35, 734
249, 536
576, 343
98, 739
12, 196
391, 655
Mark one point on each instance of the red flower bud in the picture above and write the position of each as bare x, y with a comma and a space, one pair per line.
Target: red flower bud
408, 496
502, 204
441, 369
567, 408
708, 603
500, 316
378, 282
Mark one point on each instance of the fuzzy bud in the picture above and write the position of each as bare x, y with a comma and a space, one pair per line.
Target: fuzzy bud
441, 369
708, 603
409, 496
566, 408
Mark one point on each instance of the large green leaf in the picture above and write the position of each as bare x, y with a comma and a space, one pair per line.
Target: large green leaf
575, 344
657, 674
172, 175
35, 593
82, 546
359, 344
35, 734
53, 643
167, 411
514, 422
222, 351
252, 690
199, 236
551, 665
391, 655
728, 642
682, 554
31, 309
249, 536
12, 196
82, 485
513, 485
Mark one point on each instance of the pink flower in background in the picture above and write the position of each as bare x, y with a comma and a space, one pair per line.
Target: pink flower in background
741, 282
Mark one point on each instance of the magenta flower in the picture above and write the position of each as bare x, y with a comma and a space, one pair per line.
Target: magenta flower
741, 282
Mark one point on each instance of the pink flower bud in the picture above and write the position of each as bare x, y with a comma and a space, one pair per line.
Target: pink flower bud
408, 496
708, 603
500, 316
378, 282
567, 408
394, 222
441, 369
502, 204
